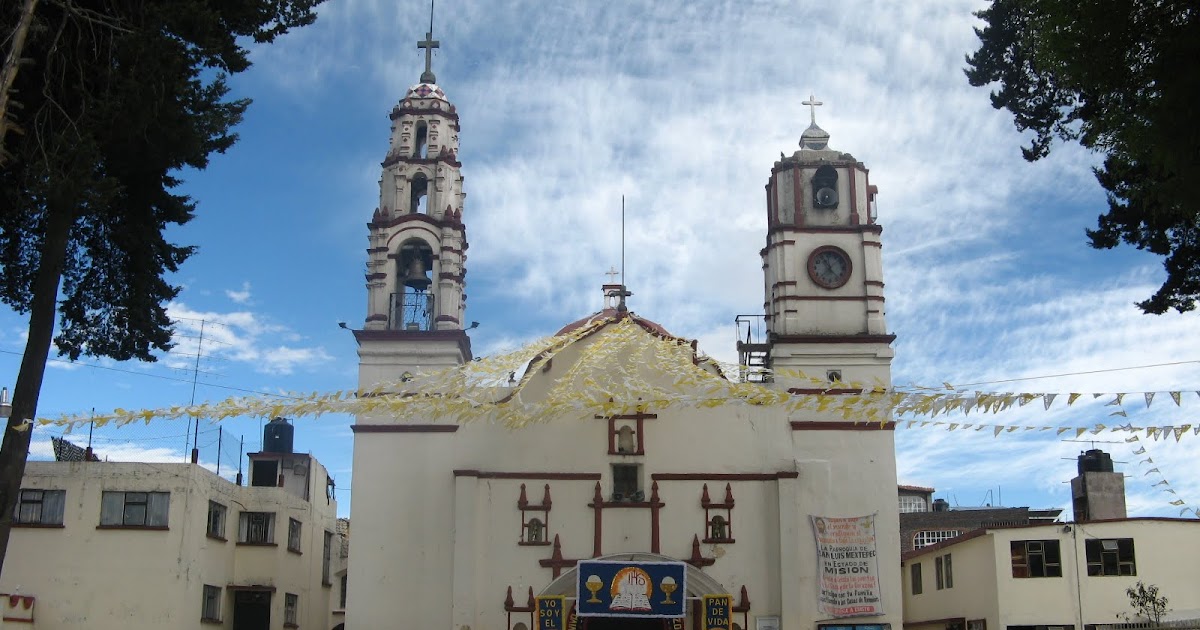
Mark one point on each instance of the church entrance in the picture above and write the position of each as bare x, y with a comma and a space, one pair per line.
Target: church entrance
623, 623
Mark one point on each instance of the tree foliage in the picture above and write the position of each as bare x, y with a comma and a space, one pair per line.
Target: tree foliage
116, 98
1119, 77
1146, 602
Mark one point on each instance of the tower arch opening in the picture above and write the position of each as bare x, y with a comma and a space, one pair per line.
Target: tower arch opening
421, 140
418, 195
412, 303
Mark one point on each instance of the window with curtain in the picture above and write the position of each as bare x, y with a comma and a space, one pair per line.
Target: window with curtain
134, 509
257, 528
40, 507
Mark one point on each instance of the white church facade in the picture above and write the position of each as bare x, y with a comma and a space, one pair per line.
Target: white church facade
563, 523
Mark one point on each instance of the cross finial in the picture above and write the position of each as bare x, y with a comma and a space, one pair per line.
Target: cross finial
612, 274
812, 103
429, 43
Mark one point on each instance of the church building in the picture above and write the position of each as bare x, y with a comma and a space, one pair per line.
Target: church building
657, 515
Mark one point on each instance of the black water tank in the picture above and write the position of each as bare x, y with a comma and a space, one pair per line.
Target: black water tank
941, 505
277, 436
1095, 460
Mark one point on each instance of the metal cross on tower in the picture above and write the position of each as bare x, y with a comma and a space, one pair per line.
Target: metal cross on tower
812, 103
429, 43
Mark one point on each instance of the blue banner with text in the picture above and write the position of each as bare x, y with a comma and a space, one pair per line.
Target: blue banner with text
608, 588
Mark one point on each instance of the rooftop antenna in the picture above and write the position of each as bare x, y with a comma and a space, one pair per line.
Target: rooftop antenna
621, 307
429, 43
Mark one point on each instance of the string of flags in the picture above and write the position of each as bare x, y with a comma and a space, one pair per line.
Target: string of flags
1162, 483
626, 369
615, 366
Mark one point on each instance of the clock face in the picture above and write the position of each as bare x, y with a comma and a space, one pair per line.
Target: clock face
829, 267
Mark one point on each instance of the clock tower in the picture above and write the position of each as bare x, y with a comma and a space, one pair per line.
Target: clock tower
822, 269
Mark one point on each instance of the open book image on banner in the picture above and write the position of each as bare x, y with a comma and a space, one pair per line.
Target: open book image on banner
848, 566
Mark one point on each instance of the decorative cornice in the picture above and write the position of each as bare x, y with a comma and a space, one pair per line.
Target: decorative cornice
417, 336
870, 228
801, 425
888, 339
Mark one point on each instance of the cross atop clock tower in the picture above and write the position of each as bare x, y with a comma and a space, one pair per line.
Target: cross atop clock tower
822, 266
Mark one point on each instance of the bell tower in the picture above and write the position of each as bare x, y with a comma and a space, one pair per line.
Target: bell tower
822, 268
416, 274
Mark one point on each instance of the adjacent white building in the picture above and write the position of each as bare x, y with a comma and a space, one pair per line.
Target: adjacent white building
1057, 575
101, 545
462, 526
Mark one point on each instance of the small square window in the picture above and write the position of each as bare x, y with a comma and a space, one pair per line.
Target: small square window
626, 483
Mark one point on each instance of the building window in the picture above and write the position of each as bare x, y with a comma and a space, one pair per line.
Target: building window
216, 520
933, 536
910, 503
1035, 558
256, 528
134, 509
211, 607
40, 507
944, 571
326, 559
293, 535
1112, 556
342, 596
918, 586
291, 602
625, 483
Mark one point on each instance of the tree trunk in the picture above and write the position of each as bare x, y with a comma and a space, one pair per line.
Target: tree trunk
42, 312
8, 76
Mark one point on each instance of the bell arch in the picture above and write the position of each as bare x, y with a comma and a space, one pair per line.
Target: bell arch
698, 582
412, 303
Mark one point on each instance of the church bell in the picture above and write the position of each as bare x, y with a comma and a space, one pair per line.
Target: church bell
415, 276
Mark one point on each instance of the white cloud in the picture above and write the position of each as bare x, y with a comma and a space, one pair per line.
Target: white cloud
240, 297
241, 337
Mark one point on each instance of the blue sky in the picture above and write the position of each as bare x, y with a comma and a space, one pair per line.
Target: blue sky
681, 107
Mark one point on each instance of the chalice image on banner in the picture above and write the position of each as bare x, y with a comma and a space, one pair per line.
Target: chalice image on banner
668, 586
594, 584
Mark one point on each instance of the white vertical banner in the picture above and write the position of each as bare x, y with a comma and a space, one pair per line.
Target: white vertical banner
848, 565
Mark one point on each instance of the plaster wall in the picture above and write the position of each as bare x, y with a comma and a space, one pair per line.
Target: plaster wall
84, 576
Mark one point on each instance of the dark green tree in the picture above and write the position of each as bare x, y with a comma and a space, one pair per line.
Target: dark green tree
1120, 78
117, 97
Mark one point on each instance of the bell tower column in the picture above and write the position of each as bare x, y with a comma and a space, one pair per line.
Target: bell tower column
416, 258
823, 269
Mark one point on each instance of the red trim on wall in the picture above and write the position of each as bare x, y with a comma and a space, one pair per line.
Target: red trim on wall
801, 425
840, 229
786, 474
822, 298
773, 245
379, 275
655, 529
556, 562
873, 244
873, 283
377, 318
403, 428
597, 506
528, 476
